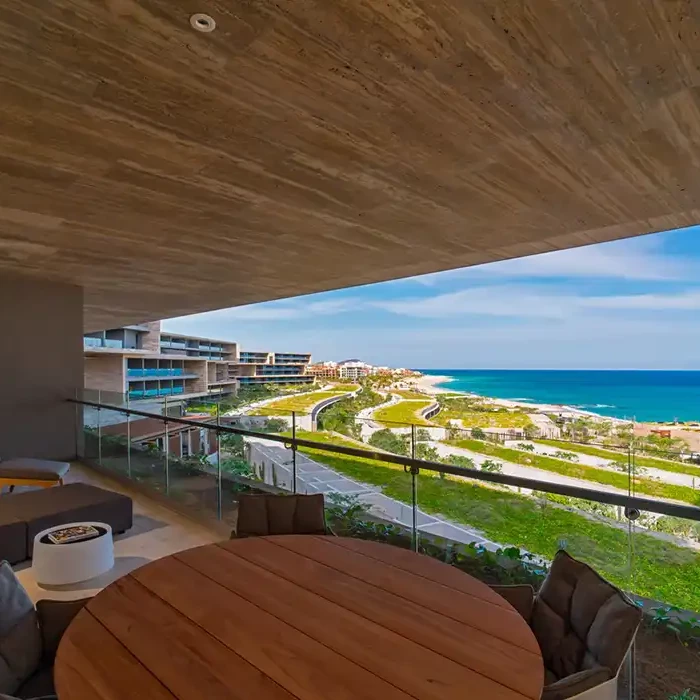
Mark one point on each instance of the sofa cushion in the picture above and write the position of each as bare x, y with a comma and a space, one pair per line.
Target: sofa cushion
20, 640
54, 618
13, 537
39, 685
45, 508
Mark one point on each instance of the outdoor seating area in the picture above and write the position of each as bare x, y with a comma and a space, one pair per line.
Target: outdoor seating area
285, 584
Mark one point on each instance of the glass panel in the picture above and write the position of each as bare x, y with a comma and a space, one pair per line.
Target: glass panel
247, 462
365, 497
665, 581
148, 452
114, 441
193, 459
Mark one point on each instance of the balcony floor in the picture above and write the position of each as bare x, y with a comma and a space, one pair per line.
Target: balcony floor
157, 532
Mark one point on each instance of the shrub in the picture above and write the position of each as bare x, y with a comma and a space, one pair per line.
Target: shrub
526, 446
490, 465
387, 440
478, 434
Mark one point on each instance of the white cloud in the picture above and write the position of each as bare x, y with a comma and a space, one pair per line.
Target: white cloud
635, 259
266, 311
684, 301
504, 300
525, 301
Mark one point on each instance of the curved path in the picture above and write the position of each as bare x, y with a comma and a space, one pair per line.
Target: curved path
602, 463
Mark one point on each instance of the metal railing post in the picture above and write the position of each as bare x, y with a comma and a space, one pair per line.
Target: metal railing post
166, 448
99, 429
128, 437
294, 452
414, 492
219, 494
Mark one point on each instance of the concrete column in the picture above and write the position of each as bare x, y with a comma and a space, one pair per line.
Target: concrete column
41, 365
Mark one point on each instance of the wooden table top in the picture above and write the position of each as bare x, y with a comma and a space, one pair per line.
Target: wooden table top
300, 617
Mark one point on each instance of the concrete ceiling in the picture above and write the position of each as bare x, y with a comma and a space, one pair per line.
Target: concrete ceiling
312, 145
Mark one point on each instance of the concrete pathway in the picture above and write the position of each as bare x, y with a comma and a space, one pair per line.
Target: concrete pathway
313, 477
601, 462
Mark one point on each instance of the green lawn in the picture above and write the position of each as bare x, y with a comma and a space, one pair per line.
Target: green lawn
646, 487
662, 571
300, 404
640, 460
480, 419
405, 412
407, 394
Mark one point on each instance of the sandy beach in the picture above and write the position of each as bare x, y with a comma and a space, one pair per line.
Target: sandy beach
428, 383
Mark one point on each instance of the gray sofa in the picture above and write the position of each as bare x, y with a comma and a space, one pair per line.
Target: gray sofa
24, 515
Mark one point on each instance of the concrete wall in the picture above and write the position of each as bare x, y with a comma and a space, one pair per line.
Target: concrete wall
41, 365
105, 372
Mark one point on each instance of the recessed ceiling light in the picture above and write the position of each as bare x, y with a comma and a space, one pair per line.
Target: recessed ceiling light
202, 23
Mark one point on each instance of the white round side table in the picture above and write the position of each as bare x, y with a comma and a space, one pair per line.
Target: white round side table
59, 564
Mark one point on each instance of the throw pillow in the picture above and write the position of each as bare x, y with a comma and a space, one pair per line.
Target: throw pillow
20, 640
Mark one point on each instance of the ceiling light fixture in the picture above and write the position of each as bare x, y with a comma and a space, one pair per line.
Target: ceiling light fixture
202, 23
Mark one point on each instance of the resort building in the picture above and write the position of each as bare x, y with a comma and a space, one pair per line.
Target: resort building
145, 363
354, 369
324, 370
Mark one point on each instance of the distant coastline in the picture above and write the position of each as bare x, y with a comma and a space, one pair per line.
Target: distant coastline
639, 395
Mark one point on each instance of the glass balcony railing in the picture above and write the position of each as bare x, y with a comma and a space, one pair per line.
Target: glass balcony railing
156, 372
102, 343
497, 505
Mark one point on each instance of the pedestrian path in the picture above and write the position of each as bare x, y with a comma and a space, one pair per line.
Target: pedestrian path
275, 462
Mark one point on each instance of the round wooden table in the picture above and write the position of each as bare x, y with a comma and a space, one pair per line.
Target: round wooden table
302, 617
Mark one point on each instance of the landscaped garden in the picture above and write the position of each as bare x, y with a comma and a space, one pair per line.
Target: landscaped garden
667, 465
620, 480
408, 394
403, 412
477, 414
302, 403
661, 570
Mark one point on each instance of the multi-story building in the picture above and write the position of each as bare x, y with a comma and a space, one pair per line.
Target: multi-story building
145, 363
324, 370
354, 369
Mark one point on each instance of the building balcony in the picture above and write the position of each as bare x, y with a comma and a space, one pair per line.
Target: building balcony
135, 374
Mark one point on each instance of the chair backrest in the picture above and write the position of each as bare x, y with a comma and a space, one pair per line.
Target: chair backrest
581, 621
260, 515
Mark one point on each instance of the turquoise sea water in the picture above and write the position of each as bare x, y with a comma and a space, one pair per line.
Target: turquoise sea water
646, 395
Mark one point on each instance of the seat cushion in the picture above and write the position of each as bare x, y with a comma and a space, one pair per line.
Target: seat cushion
20, 640
13, 537
280, 515
309, 516
38, 685
39, 469
581, 621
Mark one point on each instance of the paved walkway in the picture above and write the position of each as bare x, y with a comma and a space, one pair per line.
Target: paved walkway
601, 462
313, 477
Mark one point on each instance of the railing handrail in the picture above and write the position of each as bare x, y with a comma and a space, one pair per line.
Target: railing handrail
618, 499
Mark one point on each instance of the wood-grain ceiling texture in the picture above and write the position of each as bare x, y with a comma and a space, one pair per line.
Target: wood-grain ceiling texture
307, 145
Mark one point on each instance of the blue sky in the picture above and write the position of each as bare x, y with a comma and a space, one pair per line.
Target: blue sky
628, 304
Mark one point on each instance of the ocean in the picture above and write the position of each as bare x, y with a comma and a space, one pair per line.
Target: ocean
645, 395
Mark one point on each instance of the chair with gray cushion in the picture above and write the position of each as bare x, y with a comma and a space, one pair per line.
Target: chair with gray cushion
267, 514
584, 626
29, 638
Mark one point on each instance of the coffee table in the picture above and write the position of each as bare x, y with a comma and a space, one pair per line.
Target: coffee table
60, 564
298, 616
